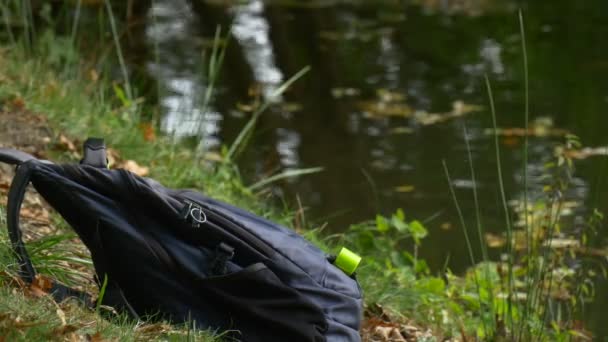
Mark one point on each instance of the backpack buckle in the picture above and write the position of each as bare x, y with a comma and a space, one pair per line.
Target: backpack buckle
223, 254
94, 150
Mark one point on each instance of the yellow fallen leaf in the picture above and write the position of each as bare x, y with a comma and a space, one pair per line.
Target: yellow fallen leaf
401, 130
446, 226
66, 143
495, 241
132, 166
563, 243
405, 188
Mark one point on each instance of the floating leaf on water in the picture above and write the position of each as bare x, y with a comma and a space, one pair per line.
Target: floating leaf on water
464, 184
339, 93
392, 17
494, 240
386, 95
426, 118
460, 108
446, 226
511, 141
332, 35
401, 130
244, 107
559, 243
584, 153
540, 127
291, 107
387, 104
381, 164
405, 188
383, 109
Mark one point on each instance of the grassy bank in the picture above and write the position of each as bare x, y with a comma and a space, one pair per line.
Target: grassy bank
47, 84
73, 102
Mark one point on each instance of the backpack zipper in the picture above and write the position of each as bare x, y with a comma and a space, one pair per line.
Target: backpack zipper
211, 215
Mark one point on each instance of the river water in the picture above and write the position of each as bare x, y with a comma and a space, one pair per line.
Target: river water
380, 71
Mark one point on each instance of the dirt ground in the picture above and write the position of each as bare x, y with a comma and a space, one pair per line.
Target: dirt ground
24, 130
28, 132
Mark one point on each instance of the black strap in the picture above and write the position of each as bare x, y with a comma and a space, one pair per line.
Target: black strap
14, 157
27, 272
95, 153
15, 198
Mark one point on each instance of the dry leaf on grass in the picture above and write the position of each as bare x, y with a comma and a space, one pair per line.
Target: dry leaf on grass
40, 287
96, 337
66, 144
148, 131
65, 330
132, 166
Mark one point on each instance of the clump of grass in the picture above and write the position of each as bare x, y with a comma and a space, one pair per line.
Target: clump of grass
518, 298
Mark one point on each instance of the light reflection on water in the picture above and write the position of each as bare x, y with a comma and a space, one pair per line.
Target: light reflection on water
251, 30
176, 65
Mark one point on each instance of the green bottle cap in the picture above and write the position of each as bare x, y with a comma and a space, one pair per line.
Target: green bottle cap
347, 261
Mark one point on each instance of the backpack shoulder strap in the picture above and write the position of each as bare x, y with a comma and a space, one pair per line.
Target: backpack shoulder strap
16, 194
26, 165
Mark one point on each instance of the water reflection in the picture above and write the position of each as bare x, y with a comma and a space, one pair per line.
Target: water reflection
424, 60
175, 64
288, 142
251, 30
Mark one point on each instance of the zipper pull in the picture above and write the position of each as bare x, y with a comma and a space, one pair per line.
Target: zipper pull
193, 213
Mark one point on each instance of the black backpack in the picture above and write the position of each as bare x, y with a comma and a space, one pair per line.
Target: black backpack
182, 256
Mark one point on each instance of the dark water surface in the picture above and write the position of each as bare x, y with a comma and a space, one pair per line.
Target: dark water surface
382, 58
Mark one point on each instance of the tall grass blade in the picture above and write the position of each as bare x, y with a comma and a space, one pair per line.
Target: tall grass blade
503, 197
240, 141
284, 175
373, 187
216, 60
6, 16
480, 229
102, 293
27, 18
121, 60
540, 294
468, 242
528, 228
76, 22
